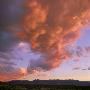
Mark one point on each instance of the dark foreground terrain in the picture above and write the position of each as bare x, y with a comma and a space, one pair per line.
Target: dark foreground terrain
46, 85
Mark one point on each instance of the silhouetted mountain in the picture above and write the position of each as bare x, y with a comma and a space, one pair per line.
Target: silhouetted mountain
52, 82
19, 82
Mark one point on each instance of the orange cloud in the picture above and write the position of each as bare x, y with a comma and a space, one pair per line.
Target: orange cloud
12, 75
52, 25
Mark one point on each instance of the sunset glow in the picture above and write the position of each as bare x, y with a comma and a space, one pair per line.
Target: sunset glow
40, 37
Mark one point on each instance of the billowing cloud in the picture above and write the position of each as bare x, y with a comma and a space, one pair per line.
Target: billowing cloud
52, 25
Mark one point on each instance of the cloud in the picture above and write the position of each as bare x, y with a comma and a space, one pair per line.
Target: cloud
11, 12
52, 25
84, 69
10, 15
88, 68
10, 73
9, 69
76, 68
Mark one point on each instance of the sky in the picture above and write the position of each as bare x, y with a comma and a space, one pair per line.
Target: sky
44, 39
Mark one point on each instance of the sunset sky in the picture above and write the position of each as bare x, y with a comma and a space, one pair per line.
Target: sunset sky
44, 39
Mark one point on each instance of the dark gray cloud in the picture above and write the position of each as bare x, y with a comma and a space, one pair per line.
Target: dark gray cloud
11, 12
76, 68
6, 40
88, 68
84, 69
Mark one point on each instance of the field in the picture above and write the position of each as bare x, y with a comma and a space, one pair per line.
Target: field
41, 87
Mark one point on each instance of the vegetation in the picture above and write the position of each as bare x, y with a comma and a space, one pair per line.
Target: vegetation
40, 87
